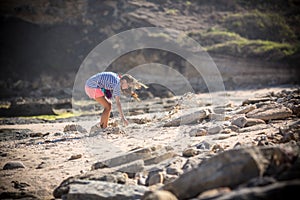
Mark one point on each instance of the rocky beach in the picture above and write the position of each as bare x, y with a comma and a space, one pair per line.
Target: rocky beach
220, 119
185, 148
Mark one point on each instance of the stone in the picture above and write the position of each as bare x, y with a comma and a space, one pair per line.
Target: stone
38, 134
117, 177
93, 190
256, 100
218, 117
74, 127
13, 165
20, 185
245, 109
76, 156
233, 128
105, 175
160, 158
254, 128
191, 118
168, 178
122, 159
159, 195
214, 129
203, 145
3, 154
190, 152
141, 177
132, 167
190, 164
174, 170
214, 192
252, 122
155, 178
198, 132
217, 148
240, 122
270, 111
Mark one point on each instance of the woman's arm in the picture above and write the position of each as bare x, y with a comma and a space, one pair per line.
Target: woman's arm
119, 106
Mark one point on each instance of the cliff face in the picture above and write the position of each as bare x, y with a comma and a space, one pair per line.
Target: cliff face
52, 37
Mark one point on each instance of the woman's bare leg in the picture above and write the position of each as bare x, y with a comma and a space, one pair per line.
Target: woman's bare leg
106, 112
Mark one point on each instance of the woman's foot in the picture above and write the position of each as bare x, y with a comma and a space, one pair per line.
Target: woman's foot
96, 129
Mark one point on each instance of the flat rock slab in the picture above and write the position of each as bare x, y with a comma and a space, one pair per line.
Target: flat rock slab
123, 159
97, 190
270, 111
188, 118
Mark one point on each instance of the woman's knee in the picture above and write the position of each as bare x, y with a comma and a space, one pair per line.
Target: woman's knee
108, 106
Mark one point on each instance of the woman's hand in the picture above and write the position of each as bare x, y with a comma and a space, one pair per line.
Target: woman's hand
125, 122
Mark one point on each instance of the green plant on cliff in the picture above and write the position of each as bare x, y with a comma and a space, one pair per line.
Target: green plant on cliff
258, 25
243, 47
229, 43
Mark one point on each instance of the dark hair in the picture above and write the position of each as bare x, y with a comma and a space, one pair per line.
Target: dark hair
135, 85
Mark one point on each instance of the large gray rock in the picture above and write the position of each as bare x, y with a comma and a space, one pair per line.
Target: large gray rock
97, 190
228, 169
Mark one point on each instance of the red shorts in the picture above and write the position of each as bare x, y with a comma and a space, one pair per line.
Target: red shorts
93, 93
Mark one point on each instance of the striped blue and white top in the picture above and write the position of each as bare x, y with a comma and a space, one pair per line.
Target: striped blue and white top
106, 80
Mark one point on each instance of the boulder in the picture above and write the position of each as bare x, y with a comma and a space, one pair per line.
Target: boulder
229, 169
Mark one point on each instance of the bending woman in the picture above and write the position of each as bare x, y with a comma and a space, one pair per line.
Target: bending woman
105, 85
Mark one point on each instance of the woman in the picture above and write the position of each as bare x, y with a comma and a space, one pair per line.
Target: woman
105, 85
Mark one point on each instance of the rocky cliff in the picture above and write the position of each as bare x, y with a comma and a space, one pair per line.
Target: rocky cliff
43, 43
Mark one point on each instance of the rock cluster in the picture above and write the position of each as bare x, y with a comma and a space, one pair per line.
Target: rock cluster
267, 168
